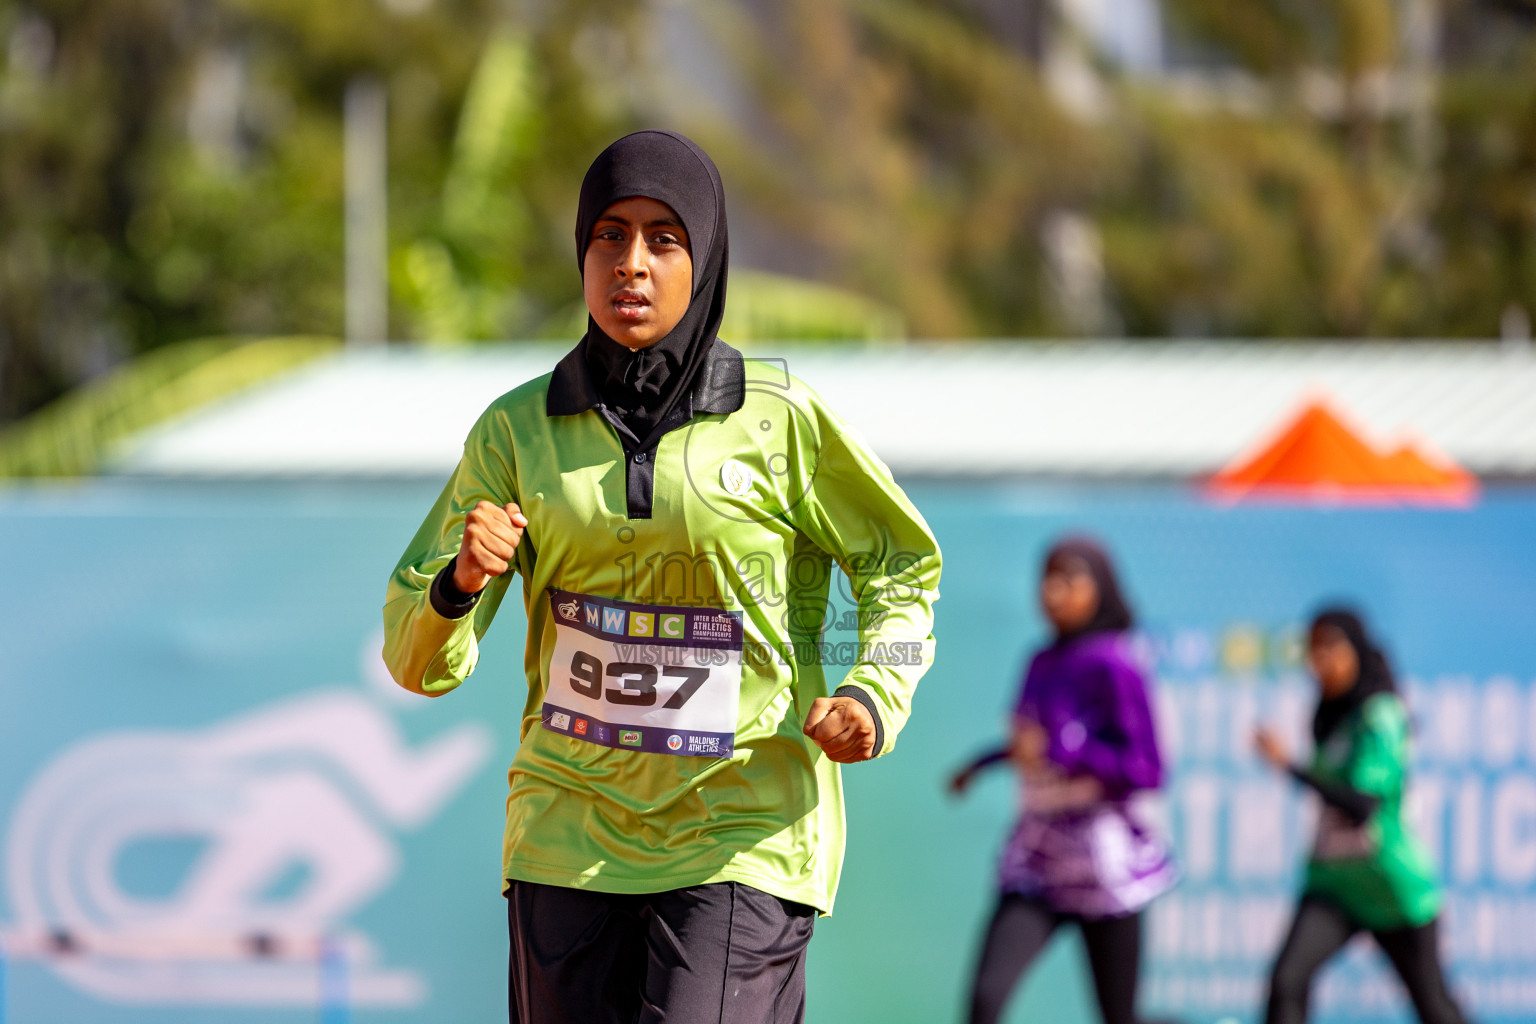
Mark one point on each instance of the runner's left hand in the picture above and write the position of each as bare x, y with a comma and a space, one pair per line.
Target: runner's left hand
1271, 747
961, 781
842, 728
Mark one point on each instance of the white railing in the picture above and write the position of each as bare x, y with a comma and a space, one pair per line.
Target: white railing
331, 955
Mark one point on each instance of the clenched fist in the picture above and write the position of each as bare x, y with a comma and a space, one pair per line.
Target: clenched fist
491, 536
1271, 747
1030, 744
842, 728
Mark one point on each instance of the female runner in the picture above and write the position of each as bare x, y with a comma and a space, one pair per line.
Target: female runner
1084, 742
675, 819
1367, 872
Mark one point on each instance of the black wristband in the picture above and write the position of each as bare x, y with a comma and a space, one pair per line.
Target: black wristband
861, 695
447, 599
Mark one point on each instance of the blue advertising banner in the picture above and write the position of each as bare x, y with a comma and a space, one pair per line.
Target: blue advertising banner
215, 806
1223, 593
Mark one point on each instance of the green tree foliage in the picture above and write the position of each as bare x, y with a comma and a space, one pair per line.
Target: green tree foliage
1380, 183
1309, 170
1485, 214
172, 169
909, 151
490, 253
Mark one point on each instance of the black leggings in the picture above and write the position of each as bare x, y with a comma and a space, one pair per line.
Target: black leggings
1020, 929
1321, 930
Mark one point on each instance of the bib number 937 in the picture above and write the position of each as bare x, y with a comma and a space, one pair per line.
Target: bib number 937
636, 682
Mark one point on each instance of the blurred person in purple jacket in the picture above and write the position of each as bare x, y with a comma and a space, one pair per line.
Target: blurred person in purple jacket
1084, 744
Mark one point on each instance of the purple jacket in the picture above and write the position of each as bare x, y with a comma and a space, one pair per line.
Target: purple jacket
1090, 696
1097, 859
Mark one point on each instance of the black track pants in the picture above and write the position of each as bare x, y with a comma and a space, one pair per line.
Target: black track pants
712, 954
1020, 929
1321, 929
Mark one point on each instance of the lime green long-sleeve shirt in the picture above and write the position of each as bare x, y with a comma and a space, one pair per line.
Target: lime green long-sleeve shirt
671, 660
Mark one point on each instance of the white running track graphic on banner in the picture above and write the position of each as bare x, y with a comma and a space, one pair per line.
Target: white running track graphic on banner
306, 783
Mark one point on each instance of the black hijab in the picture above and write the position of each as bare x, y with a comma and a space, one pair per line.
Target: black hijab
1113, 614
641, 386
1375, 671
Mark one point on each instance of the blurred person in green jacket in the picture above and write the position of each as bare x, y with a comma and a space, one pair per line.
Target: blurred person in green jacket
1367, 871
675, 817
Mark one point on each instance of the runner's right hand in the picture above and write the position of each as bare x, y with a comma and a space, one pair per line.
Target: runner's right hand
1030, 744
491, 536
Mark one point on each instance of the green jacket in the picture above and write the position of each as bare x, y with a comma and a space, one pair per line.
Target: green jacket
1377, 872
750, 503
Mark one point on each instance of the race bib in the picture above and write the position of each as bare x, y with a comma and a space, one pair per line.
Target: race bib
1052, 793
1339, 838
644, 677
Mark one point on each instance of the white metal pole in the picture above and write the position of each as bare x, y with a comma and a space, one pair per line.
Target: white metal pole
367, 257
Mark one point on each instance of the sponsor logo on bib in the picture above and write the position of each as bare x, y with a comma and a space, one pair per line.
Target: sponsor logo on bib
560, 720
714, 627
704, 745
630, 737
674, 742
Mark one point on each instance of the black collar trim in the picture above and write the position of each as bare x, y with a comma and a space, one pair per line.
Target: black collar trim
720, 388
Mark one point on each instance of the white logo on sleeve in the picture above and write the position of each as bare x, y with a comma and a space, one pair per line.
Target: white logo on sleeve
736, 477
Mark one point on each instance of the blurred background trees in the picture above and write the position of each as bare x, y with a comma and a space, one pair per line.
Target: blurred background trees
173, 169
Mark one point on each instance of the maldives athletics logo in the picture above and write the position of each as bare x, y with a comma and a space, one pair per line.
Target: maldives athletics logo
674, 742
